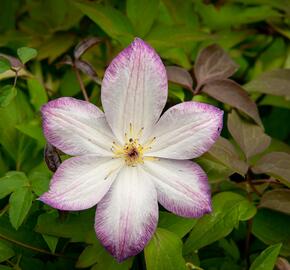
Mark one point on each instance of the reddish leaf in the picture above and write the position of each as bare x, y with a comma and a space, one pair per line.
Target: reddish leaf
229, 92
224, 152
180, 76
250, 137
15, 63
277, 199
84, 45
274, 82
213, 63
282, 264
87, 69
276, 164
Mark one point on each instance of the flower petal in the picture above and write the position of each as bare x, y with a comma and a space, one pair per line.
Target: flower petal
186, 131
76, 127
182, 186
126, 217
134, 89
81, 182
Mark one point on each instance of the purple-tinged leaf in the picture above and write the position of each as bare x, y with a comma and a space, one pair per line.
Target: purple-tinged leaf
277, 199
179, 76
87, 69
276, 164
15, 63
282, 264
224, 152
213, 63
231, 93
84, 45
250, 137
274, 82
51, 157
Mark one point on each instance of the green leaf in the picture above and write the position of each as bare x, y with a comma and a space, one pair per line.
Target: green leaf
230, 247
69, 84
55, 45
276, 164
164, 252
20, 202
7, 94
4, 65
267, 259
33, 129
277, 199
228, 209
39, 182
142, 14
11, 182
176, 93
51, 241
112, 21
178, 225
37, 92
75, 226
25, 54
182, 12
215, 171
250, 137
162, 37
24, 235
18, 111
88, 257
277, 101
224, 16
6, 252
271, 227
96, 254
3, 267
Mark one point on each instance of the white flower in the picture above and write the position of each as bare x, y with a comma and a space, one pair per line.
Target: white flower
128, 158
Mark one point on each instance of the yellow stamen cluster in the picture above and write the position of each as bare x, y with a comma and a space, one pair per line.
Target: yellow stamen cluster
132, 151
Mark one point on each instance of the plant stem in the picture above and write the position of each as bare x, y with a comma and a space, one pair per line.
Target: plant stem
82, 86
30, 247
250, 221
251, 184
248, 241
15, 78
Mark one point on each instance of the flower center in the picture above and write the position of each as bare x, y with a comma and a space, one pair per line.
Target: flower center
132, 151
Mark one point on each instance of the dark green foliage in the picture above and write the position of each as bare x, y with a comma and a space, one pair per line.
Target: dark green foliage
232, 54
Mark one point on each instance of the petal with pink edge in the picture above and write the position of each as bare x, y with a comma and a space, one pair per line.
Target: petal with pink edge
182, 186
186, 131
134, 90
81, 182
126, 217
76, 127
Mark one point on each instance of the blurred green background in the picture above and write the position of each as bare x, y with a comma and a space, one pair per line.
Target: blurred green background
38, 63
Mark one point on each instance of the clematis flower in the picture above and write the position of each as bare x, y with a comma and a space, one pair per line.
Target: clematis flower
128, 158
